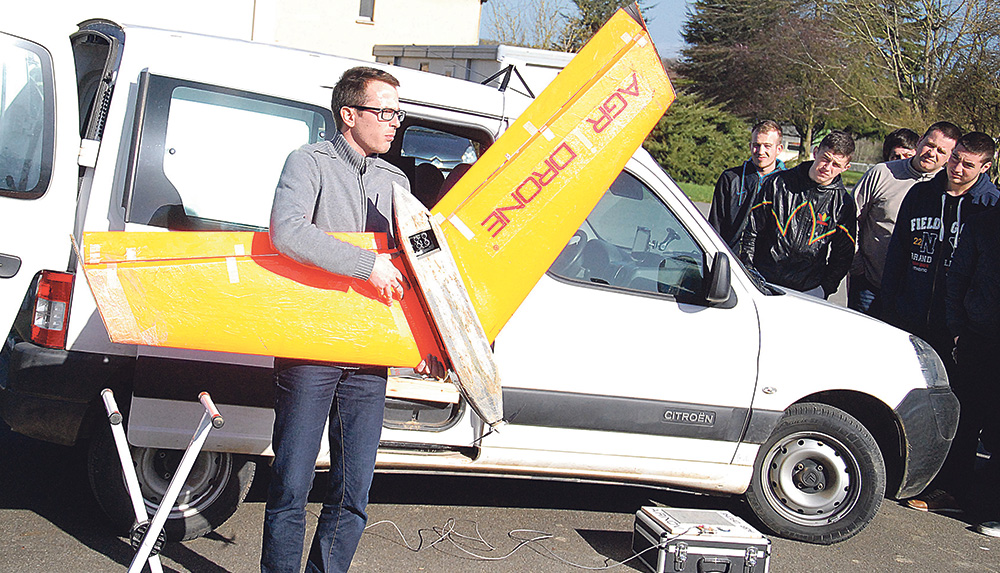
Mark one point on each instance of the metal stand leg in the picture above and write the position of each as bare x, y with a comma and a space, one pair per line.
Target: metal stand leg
128, 470
210, 419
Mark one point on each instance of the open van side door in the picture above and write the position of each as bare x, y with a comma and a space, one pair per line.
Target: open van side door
39, 175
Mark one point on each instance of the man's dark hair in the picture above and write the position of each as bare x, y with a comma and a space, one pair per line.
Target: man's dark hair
945, 128
766, 126
839, 142
906, 138
352, 86
979, 143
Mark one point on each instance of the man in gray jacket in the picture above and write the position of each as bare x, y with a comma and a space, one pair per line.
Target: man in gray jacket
878, 195
337, 185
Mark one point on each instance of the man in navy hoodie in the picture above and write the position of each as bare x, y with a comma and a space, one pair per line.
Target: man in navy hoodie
972, 308
928, 230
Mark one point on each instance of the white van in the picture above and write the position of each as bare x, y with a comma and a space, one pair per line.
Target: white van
641, 357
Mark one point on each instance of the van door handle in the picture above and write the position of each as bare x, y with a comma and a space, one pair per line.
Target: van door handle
9, 265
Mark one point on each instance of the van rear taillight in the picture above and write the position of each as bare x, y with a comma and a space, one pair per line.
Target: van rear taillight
50, 319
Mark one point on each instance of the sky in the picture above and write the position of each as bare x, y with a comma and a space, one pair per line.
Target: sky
665, 20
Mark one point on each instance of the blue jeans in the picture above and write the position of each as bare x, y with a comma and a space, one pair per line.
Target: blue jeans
307, 395
861, 295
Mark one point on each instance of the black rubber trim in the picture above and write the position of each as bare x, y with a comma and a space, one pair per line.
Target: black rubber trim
571, 410
928, 418
762, 423
48, 392
173, 379
61, 374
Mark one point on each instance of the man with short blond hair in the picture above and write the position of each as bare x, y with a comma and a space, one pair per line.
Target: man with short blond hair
737, 186
878, 195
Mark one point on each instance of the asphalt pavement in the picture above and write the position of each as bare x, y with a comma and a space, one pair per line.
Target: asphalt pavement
49, 523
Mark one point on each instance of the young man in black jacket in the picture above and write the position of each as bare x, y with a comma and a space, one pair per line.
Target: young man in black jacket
928, 230
737, 186
972, 309
802, 226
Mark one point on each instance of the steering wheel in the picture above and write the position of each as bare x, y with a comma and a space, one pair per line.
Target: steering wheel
571, 253
672, 236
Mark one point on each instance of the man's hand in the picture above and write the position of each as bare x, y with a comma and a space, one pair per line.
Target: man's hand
431, 366
386, 279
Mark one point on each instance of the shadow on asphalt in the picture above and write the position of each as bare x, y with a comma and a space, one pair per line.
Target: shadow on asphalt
51, 481
539, 494
516, 493
530, 494
614, 545
475, 491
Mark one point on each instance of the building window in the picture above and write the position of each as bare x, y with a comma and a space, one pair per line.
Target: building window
367, 11
425, 66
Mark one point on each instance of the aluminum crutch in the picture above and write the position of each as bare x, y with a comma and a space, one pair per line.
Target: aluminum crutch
209, 419
128, 470
151, 537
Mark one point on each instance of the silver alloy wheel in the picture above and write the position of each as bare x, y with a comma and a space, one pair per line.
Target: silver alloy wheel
206, 482
811, 478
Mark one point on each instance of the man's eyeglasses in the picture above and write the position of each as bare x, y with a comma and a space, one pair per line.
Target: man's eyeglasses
383, 113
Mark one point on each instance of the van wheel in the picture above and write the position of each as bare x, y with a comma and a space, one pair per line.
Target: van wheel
819, 478
213, 491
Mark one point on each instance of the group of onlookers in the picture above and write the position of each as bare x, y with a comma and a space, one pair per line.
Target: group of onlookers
897, 236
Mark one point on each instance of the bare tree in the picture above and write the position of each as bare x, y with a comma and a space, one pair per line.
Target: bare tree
765, 61
912, 45
586, 17
534, 24
971, 94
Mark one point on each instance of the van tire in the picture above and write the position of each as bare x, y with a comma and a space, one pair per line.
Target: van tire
220, 482
819, 478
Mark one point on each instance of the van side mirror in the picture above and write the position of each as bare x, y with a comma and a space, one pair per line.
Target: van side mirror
719, 279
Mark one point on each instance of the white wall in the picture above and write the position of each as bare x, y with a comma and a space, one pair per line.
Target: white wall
333, 26
329, 26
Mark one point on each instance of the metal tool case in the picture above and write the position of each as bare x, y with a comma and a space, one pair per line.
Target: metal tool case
699, 541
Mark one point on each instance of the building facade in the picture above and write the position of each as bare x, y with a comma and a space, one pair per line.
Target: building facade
343, 27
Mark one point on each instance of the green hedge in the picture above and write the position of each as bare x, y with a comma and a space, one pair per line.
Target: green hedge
696, 141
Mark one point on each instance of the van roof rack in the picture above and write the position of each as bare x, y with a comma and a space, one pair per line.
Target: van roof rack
506, 73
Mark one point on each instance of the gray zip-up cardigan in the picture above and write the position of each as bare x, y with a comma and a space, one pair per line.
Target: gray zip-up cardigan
330, 187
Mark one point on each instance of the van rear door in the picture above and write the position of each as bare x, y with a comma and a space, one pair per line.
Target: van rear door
36, 205
39, 175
